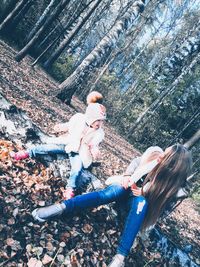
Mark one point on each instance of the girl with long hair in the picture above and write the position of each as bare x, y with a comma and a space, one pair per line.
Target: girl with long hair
160, 186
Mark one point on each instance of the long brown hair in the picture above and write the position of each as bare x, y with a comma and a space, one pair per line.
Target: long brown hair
165, 181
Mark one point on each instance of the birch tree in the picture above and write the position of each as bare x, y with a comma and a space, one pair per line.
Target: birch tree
72, 33
42, 19
65, 23
24, 51
167, 70
193, 118
172, 66
98, 54
68, 25
21, 14
167, 91
11, 15
193, 140
6, 8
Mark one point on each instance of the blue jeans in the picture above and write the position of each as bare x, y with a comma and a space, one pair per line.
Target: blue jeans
113, 193
53, 149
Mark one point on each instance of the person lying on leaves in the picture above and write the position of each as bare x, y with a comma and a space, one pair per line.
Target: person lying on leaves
166, 177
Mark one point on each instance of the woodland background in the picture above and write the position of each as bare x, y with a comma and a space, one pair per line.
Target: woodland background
143, 56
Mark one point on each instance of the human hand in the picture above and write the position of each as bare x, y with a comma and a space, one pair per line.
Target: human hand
60, 127
137, 191
125, 181
57, 128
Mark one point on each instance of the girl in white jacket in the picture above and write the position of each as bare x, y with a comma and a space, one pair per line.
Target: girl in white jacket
84, 134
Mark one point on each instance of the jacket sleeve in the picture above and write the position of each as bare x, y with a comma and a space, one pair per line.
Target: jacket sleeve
97, 139
133, 166
76, 126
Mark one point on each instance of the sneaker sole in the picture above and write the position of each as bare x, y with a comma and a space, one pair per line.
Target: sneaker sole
36, 217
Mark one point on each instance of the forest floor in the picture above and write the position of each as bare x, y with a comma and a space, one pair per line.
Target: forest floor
89, 239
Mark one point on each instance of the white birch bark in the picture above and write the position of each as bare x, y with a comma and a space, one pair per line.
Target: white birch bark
41, 20
71, 34
153, 107
193, 140
11, 15
69, 86
24, 51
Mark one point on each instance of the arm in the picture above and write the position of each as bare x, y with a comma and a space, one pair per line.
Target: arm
129, 171
94, 144
139, 191
61, 127
132, 166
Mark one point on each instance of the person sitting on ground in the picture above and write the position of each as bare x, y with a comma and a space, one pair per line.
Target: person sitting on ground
84, 134
164, 181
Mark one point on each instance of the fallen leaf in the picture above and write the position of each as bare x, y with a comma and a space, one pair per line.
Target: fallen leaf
47, 259
33, 262
87, 228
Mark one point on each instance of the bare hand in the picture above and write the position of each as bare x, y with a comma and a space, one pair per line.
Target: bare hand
125, 181
60, 127
137, 191
57, 128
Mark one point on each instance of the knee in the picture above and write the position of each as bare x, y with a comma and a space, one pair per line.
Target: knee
76, 167
140, 199
75, 172
114, 190
139, 205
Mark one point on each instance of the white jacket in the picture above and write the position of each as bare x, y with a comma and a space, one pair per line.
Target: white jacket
80, 138
136, 174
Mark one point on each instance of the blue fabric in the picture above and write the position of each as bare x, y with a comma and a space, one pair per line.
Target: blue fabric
53, 149
133, 223
48, 149
76, 168
110, 194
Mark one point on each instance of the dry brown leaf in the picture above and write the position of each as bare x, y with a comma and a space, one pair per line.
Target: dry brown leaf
87, 228
33, 262
47, 259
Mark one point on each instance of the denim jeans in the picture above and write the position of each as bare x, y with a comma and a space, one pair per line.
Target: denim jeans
53, 149
113, 193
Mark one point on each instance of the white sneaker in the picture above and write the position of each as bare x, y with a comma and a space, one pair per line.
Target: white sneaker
42, 214
118, 261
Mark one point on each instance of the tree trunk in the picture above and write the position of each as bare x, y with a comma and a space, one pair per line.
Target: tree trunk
192, 118
185, 53
137, 89
41, 20
162, 96
10, 16
193, 140
71, 34
21, 14
70, 23
69, 86
21, 54
7, 9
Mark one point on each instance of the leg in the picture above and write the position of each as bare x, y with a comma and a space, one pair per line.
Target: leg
76, 167
94, 199
39, 150
47, 149
133, 223
90, 200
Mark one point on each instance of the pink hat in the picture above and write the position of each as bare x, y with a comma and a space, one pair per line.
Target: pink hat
94, 112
